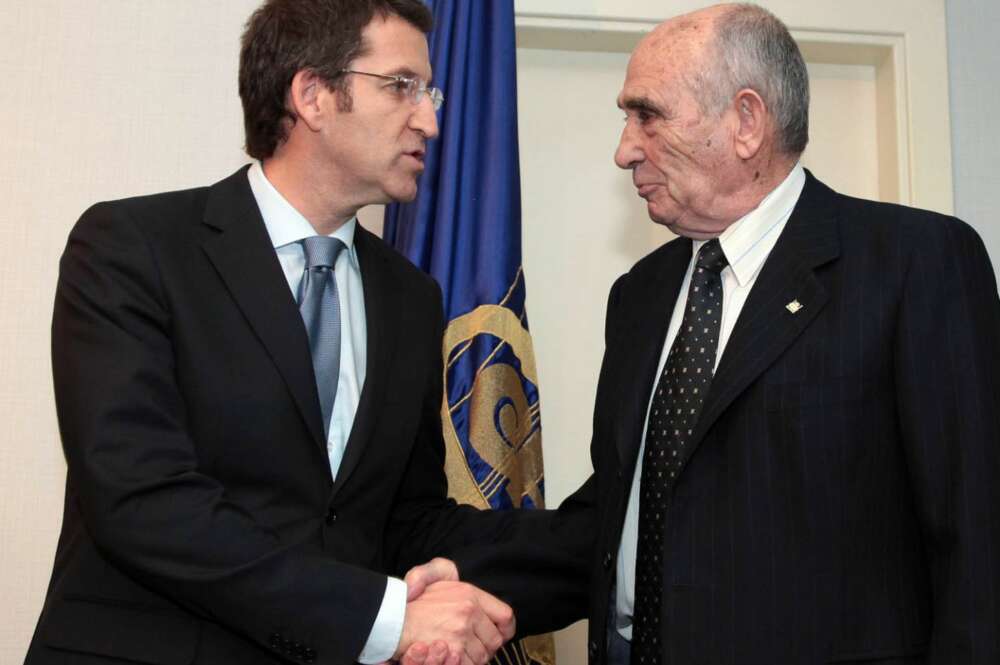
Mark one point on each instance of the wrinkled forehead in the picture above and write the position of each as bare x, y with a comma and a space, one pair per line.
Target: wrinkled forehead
668, 55
679, 42
653, 65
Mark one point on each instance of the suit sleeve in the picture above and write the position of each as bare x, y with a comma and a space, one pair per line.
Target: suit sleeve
948, 384
535, 560
143, 495
540, 562
541, 567
424, 522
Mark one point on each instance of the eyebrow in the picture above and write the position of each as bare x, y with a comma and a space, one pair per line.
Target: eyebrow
407, 72
641, 104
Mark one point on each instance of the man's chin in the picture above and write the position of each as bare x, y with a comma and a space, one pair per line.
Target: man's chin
676, 225
404, 193
659, 215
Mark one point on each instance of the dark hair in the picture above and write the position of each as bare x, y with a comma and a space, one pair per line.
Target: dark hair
285, 36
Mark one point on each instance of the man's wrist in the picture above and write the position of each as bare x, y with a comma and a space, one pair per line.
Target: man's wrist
383, 640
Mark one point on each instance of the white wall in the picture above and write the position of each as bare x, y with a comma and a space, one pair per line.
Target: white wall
974, 72
99, 99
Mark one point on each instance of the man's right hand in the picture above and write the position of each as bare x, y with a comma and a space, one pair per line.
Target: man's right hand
472, 623
420, 577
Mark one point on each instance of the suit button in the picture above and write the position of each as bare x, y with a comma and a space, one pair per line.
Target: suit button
286, 646
607, 560
298, 651
331, 517
275, 641
592, 648
620, 475
309, 656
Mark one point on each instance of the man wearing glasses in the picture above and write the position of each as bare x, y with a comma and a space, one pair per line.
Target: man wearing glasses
248, 383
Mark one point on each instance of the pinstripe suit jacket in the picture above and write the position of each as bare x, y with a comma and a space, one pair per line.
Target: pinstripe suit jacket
840, 501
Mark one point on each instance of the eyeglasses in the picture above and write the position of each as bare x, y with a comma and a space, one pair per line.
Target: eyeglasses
413, 88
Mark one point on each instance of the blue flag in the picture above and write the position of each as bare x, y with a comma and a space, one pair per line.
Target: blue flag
464, 228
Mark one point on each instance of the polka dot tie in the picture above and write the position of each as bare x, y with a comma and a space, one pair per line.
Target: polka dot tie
680, 393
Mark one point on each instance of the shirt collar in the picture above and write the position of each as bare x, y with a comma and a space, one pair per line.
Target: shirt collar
748, 241
286, 225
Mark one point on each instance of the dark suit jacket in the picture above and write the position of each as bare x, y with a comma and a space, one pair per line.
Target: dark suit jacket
201, 520
842, 501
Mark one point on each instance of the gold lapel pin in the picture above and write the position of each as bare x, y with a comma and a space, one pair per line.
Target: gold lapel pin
794, 306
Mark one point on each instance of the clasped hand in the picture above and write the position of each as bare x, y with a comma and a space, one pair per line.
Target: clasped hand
449, 622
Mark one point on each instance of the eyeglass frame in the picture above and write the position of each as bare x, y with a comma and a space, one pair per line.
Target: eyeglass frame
415, 88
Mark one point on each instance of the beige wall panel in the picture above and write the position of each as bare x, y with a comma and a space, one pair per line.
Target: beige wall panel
843, 142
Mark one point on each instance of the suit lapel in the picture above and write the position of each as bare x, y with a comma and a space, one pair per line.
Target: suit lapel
651, 305
766, 326
241, 251
381, 316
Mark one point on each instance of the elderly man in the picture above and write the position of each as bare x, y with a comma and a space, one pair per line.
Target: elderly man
248, 383
796, 438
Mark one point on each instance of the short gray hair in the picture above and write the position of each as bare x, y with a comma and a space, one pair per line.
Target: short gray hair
753, 49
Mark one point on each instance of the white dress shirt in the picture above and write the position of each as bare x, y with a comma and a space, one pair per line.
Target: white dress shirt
746, 243
287, 228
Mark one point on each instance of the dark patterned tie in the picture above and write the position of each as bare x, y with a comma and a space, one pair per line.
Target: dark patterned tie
320, 309
673, 414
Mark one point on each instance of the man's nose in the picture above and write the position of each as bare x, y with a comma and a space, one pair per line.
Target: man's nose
629, 152
424, 118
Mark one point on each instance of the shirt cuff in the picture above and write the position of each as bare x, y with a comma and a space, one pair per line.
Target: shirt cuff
388, 626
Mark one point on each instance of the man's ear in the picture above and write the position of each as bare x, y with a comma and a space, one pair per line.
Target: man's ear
753, 118
303, 97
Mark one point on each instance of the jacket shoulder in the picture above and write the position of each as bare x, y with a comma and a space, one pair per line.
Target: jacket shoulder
399, 265
149, 214
912, 229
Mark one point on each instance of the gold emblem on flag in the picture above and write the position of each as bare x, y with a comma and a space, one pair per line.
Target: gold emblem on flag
503, 430
502, 422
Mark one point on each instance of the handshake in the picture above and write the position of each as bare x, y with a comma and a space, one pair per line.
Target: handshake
449, 622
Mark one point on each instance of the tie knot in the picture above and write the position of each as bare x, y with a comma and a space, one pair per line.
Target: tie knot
711, 257
322, 251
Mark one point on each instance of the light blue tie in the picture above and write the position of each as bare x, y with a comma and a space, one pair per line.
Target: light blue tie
320, 309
